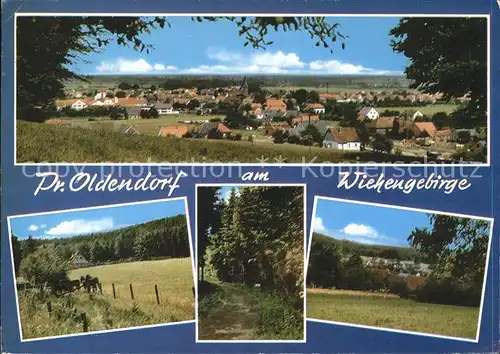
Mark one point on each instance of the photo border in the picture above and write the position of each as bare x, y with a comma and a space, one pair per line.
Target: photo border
256, 341
22, 340
386, 329
267, 164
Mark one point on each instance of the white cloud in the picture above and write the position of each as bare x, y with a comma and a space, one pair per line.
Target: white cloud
80, 227
275, 63
278, 60
354, 229
121, 65
33, 227
43, 226
318, 225
221, 54
171, 67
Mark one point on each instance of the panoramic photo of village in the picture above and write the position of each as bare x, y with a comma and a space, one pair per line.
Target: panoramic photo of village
250, 249
397, 269
102, 269
251, 89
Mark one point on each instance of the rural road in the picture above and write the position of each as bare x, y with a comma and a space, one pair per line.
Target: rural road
235, 319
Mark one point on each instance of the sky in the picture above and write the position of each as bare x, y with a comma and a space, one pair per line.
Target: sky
367, 224
189, 47
67, 224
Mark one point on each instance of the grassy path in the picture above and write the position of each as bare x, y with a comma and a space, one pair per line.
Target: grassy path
235, 317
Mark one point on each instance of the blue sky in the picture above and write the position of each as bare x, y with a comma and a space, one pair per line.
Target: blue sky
93, 220
216, 48
365, 223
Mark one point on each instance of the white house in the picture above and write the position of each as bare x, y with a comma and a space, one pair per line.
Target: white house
317, 108
79, 105
165, 108
344, 138
368, 112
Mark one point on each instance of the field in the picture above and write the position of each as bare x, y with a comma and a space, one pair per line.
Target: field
427, 110
38, 142
174, 278
388, 311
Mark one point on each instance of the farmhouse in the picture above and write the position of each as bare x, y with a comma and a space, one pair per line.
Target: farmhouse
368, 112
344, 138
177, 131
77, 261
275, 105
303, 118
133, 112
317, 108
165, 108
423, 129
321, 125
210, 127
132, 102
381, 125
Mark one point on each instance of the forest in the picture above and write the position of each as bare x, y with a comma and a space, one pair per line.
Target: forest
456, 248
251, 251
162, 238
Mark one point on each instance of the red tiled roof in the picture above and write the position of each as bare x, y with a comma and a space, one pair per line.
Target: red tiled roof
428, 127
345, 135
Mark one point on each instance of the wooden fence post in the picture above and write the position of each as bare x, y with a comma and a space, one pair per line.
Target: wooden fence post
131, 292
85, 323
49, 307
114, 291
100, 287
157, 295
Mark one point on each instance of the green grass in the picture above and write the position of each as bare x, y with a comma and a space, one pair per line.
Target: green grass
38, 142
392, 312
427, 110
173, 277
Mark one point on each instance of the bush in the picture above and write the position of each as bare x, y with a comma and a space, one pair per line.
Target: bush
399, 287
278, 319
449, 291
41, 266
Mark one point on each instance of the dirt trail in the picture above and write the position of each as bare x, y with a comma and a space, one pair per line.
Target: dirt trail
235, 319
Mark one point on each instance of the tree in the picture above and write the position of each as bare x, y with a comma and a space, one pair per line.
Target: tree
382, 144
121, 94
355, 273
124, 86
16, 253
311, 135
208, 211
301, 96
314, 97
193, 104
457, 245
463, 137
325, 266
39, 266
289, 104
448, 55
278, 137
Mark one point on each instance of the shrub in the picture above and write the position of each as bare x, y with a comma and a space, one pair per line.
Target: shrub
42, 265
279, 319
399, 287
449, 291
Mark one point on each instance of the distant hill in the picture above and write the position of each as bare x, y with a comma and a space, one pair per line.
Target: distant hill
389, 252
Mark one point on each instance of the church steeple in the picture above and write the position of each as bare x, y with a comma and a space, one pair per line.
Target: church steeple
244, 85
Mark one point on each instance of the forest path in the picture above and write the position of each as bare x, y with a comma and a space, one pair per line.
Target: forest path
235, 318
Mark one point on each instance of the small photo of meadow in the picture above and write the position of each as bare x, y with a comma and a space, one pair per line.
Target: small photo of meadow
250, 243
397, 269
93, 270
